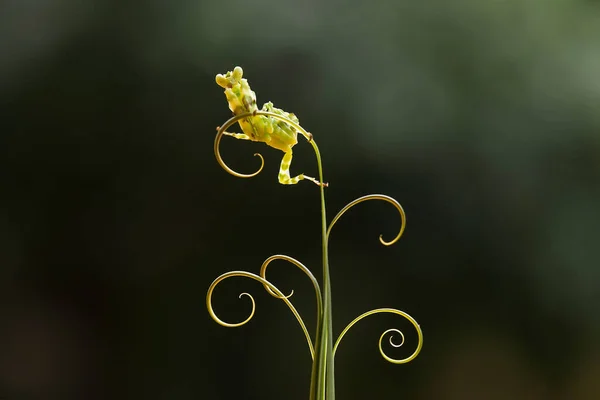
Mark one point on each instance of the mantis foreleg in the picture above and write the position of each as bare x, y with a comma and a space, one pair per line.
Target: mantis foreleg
242, 136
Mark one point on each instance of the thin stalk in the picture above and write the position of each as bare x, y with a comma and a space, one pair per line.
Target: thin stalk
322, 386
322, 382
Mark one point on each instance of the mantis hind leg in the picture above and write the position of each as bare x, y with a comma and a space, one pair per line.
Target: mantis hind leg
284, 172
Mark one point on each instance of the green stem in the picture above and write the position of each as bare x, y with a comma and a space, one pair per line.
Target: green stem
322, 385
322, 382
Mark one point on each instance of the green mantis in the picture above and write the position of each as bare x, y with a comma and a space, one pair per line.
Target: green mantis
262, 128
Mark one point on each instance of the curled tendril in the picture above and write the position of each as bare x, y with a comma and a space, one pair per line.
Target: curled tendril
221, 130
385, 356
272, 289
263, 273
374, 197
399, 332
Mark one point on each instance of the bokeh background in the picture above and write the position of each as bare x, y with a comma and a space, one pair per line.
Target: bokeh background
481, 117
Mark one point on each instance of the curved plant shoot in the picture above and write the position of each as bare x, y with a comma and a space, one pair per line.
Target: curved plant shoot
280, 129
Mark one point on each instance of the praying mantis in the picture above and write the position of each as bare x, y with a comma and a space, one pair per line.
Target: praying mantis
262, 128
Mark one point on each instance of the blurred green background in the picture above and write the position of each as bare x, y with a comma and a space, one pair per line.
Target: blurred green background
480, 117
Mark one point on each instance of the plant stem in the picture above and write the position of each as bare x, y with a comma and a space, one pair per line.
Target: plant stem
322, 382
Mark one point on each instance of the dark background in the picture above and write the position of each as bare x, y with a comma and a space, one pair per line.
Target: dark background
481, 117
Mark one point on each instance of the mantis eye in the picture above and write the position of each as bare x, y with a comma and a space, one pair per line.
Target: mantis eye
238, 72
223, 81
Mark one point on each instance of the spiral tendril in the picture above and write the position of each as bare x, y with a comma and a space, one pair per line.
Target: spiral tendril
221, 130
272, 289
374, 197
263, 273
385, 356
391, 340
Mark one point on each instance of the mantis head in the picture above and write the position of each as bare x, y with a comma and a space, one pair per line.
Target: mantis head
230, 78
239, 95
